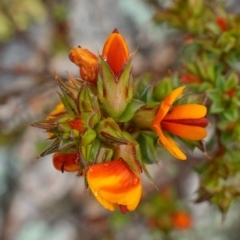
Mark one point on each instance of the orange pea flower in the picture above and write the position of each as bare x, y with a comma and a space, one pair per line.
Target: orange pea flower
116, 52
114, 183
182, 220
88, 63
186, 121
66, 162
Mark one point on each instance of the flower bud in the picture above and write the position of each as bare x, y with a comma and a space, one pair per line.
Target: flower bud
66, 162
115, 51
87, 62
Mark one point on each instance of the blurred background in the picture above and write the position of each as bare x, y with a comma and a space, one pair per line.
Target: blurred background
36, 201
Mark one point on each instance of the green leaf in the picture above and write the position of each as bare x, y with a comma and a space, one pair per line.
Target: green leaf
162, 89
147, 142
132, 107
231, 114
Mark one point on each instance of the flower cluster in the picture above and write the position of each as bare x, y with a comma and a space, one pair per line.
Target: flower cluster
98, 127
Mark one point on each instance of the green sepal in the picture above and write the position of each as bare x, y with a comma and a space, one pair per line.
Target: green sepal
87, 106
127, 152
108, 131
84, 99
104, 155
88, 136
85, 152
66, 104
66, 145
70, 91
51, 149
114, 93
96, 153
132, 107
45, 125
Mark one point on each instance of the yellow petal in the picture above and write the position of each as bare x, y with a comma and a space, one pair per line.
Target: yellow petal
186, 111
167, 103
108, 205
185, 131
114, 183
134, 195
56, 111
170, 144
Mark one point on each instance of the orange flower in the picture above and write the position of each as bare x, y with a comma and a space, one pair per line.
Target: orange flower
115, 51
87, 62
186, 121
114, 183
66, 162
182, 220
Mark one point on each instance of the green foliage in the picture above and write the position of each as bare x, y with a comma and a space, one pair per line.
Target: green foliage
209, 60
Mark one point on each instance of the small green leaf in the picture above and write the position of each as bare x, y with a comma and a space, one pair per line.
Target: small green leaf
132, 107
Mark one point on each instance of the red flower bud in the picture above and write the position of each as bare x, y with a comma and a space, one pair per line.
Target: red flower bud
116, 52
66, 162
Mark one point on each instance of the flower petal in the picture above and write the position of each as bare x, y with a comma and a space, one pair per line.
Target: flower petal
186, 111
115, 183
185, 131
87, 61
170, 144
167, 103
66, 162
58, 110
108, 205
116, 52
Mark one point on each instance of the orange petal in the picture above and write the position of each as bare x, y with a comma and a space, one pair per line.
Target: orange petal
116, 52
59, 109
185, 131
170, 144
87, 61
66, 162
186, 111
166, 104
114, 183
